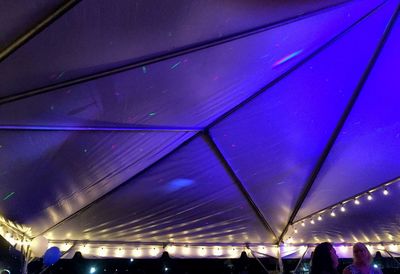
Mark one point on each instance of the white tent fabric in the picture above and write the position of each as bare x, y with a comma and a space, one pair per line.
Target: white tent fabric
202, 128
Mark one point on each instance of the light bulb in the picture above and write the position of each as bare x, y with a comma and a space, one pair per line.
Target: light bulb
369, 197
312, 222
385, 191
303, 224
356, 201
342, 209
295, 230
333, 214
319, 218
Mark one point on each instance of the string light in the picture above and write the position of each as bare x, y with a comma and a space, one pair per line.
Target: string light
295, 230
341, 205
385, 192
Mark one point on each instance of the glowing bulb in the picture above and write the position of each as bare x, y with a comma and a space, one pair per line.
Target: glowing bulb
85, 249
171, 249
92, 270
217, 251
186, 250
295, 230
385, 192
333, 214
319, 218
137, 252
369, 197
120, 252
303, 224
312, 222
154, 251
356, 201
202, 252
342, 209
102, 252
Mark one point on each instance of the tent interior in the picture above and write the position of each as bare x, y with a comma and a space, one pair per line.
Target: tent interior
201, 128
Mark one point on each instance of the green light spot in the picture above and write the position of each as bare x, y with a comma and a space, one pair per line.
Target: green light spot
8, 196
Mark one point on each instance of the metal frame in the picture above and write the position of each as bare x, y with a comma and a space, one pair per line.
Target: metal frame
20, 41
237, 181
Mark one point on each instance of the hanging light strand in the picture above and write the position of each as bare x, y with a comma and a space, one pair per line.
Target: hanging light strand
341, 206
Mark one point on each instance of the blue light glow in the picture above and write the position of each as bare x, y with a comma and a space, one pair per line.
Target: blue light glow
179, 183
287, 58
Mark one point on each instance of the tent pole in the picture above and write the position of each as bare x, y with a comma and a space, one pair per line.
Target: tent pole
280, 261
390, 254
301, 259
258, 260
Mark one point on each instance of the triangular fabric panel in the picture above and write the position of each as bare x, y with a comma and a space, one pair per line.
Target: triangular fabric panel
365, 153
274, 142
186, 198
47, 176
97, 35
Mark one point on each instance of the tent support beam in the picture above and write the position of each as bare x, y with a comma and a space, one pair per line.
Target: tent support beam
159, 58
20, 41
207, 137
341, 122
125, 128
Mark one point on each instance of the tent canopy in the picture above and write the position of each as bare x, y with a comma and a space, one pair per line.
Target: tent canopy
213, 124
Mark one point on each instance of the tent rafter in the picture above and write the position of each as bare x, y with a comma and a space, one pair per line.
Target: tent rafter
207, 137
127, 128
23, 39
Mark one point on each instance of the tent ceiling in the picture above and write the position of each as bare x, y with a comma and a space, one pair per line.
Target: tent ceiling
275, 141
100, 35
174, 201
60, 172
366, 151
206, 83
203, 136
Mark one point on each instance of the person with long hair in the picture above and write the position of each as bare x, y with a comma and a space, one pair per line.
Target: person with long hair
362, 261
324, 259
